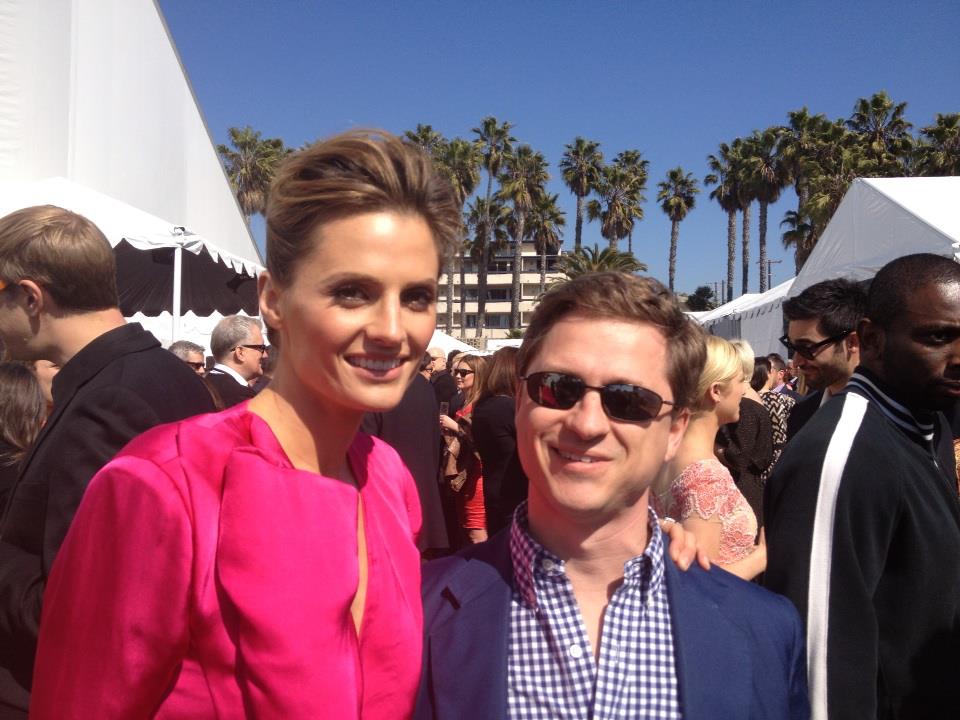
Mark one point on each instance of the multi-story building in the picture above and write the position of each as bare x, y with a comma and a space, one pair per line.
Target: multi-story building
499, 292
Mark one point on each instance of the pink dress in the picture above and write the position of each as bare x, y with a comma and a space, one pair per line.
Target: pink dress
206, 577
706, 489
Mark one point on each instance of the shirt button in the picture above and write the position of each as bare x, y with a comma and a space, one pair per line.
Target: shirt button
548, 564
576, 652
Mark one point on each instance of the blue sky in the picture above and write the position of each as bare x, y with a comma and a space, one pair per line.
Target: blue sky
671, 79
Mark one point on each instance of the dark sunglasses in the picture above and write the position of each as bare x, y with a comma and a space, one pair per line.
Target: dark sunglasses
620, 401
261, 348
463, 372
195, 365
811, 350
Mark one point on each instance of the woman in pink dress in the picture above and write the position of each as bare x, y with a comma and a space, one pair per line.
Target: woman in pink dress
696, 489
260, 562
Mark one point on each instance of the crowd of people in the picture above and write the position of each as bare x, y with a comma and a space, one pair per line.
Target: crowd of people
326, 518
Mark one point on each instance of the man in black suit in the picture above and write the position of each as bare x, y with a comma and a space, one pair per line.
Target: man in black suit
822, 335
238, 347
58, 302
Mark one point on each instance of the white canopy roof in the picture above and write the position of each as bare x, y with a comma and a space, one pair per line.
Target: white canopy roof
727, 308
881, 219
93, 91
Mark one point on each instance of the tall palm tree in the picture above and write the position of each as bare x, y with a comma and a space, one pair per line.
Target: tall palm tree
939, 152
633, 163
459, 160
885, 133
677, 195
250, 165
797, 235
522, 182
766, 177
581, 166
543, 227
616, 205
587, 260
425, 138
723, 174
488, 240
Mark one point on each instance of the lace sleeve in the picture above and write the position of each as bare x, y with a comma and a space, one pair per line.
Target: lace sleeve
706, 489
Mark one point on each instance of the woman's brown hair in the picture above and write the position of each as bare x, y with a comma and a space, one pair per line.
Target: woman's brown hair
500, 377
22, 411
356, 172
477, 363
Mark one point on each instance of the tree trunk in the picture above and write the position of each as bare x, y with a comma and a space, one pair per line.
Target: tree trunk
482, 291
731, 252
630, 241
448, 315
614, 242
745, 251
579, 231
517, 259
674, 236
463, 295
763, 246
543, 268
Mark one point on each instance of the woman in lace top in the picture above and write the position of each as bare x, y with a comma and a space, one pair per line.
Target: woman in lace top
696, 489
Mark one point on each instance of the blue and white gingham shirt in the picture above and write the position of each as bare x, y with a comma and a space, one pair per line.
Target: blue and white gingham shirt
551, 672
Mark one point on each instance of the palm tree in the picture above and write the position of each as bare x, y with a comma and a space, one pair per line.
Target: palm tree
543, 227
587, 260
425, 138
885, 133
723, 174
633, 163
939, 153
797, 235
250, 165
616, 207
459, 161
581, 166
522, 182
487, 241
766, 176
676, 196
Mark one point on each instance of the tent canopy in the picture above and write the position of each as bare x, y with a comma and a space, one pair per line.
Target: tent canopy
881, 219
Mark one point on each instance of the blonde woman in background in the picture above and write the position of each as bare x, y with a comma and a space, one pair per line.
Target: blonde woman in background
696, 489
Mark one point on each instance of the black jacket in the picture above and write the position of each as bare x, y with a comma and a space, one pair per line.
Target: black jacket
495, 436
802, 412
116, 387
231, 392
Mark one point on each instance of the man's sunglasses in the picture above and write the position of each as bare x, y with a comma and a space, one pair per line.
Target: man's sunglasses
811, 350
620, 401
463, 372
261, 348
195, 365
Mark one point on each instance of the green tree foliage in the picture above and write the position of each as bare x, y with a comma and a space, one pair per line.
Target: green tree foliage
587, 260
724, 173
581, 167
676, 195
701, 299
544, 228
764, 176
939, 149
250, 162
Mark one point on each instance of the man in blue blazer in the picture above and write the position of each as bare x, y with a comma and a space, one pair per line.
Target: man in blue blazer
577, 610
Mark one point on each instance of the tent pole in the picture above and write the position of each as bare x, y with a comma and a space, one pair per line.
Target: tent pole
175, 309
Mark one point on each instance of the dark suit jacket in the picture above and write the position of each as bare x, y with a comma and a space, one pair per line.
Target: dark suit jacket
413, 430
495, 437
739, 649
231, 392
802, 412
116, 387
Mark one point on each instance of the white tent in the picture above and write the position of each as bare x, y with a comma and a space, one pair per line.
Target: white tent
712, 316
759, 321
881, 219
440, 339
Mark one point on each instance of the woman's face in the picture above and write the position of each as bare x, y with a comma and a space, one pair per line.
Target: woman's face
360, 311
728, 409
464, 375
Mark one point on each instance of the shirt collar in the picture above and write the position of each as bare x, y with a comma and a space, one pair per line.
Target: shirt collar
918, 426
227, 370
531, 560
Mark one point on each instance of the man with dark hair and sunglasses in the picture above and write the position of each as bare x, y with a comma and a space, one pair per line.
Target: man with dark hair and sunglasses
863, 524
578, 609
822, 337
237, 346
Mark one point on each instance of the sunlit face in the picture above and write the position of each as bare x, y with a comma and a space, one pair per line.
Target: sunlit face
357, 317
582, 465
465, 377
832, 364
250, 358
731, 393
920, 352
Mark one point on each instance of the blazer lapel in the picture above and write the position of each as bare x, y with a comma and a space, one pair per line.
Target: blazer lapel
714, 666
467, 646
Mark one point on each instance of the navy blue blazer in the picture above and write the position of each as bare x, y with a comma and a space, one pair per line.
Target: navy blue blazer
739, 648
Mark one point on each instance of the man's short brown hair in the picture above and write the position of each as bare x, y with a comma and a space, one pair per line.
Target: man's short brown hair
63, 252
619, 296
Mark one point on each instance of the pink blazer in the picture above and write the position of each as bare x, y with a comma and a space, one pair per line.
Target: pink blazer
204, 576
